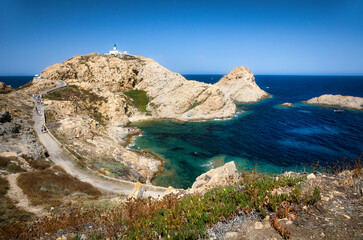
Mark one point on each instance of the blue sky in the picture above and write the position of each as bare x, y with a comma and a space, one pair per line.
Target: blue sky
268, 36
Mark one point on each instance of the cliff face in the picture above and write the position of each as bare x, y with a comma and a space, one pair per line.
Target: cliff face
338, 101
241, 87
172, 96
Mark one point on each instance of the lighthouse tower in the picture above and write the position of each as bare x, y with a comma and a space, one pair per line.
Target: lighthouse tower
116, 52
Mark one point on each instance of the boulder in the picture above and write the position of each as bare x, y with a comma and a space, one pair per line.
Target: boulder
172, 191
311, 176
241, 87
286, 104
137, 191
216, 177
4, 116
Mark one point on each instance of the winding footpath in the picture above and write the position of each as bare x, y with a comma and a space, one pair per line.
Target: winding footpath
64, 160
15, 193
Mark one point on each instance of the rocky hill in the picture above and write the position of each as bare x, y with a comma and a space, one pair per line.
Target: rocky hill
241, 86
125, 82
340, 101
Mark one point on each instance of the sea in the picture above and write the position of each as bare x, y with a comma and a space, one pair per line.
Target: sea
265, 136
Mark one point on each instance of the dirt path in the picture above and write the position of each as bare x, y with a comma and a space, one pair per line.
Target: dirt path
15, 193
61, 158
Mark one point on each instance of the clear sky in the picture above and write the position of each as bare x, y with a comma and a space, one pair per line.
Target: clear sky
268, 36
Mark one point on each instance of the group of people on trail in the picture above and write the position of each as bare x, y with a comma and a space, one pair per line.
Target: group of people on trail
39, 101
38, 104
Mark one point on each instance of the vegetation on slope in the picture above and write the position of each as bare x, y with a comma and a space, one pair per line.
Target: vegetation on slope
185, 218
139, 99
78, 96
9, 213
10, 164
50, 185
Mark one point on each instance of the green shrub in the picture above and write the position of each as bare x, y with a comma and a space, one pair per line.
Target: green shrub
139, 99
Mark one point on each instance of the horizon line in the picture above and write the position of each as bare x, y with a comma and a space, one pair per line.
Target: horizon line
255, 74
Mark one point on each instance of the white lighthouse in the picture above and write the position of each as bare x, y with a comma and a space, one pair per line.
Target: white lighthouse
116, 52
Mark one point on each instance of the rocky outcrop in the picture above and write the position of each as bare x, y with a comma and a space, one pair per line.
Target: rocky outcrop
286, 104
340, 101
4, 88
221, 176
172, 96
17, 137
241, 87
169, 94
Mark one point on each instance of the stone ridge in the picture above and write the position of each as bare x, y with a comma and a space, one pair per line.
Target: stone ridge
349, 102
241, 87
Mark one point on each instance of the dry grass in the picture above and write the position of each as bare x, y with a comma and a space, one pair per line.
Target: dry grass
10, 164
40, 164
50, 186
9, 213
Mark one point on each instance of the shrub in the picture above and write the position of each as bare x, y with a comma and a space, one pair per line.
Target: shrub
139, 99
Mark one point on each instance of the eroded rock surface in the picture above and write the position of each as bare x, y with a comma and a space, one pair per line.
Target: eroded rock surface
220, 176
4, 88
337, 101
241, 87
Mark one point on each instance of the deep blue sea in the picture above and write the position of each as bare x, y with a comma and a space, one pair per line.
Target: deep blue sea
275, 138
15, 81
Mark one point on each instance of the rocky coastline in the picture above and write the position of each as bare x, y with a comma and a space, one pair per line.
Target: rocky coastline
106, 93
349, 102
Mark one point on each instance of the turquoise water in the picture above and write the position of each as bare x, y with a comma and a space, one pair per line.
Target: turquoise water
275, 138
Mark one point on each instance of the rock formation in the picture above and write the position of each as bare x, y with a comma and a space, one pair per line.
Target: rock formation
220, 176
241, 87
340, 101
169, 94
286, 104
4, 88
172, 96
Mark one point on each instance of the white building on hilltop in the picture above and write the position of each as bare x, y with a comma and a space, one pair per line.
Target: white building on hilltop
116, 52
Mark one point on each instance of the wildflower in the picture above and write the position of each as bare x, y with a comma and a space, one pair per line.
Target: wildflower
168, 236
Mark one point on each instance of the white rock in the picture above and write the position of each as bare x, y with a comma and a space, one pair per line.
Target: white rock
216, 177
240, 85
258, 225
311, 176
231, 235
137, 191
